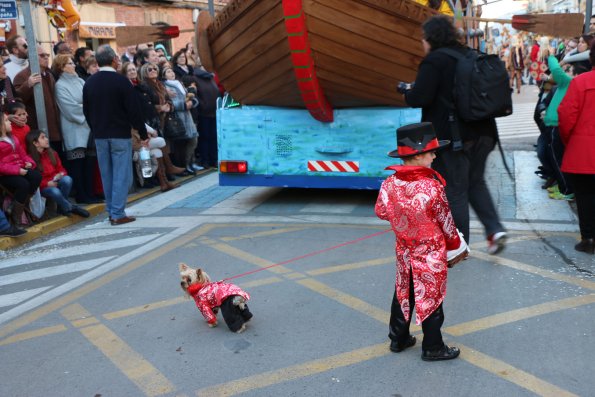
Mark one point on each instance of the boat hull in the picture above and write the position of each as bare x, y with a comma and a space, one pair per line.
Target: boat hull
358, 49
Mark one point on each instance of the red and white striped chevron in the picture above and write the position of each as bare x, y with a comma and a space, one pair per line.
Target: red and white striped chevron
333, 166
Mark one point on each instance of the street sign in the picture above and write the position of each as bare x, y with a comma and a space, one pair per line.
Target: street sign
8, 9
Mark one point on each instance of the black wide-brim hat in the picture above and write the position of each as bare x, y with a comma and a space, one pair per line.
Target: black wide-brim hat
414, 139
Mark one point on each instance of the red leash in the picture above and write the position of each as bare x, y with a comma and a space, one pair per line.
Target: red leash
307, 255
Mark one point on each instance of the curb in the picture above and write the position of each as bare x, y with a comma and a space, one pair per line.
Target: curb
60, 222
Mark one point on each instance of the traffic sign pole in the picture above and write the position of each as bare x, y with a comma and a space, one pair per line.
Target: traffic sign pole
42, 123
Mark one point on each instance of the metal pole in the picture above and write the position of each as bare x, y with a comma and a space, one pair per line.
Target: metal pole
588, 13
211, 8
42, 123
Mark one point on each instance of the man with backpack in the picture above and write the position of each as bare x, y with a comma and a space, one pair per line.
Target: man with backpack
462, 164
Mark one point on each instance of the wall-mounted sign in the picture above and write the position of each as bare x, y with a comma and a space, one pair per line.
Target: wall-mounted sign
97, 32
8, 9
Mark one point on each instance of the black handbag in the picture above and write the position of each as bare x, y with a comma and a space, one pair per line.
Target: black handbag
174, 127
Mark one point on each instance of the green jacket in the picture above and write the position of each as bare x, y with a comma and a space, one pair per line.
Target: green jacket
562, 82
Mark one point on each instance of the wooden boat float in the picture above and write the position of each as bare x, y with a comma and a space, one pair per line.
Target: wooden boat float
314, 54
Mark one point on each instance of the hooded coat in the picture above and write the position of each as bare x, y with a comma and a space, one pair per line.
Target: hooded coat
414, 202
210, 295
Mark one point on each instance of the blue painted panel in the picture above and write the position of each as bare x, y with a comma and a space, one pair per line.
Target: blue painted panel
279, 142
305, 181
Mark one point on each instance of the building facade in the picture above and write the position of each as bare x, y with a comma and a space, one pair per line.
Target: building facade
99, 19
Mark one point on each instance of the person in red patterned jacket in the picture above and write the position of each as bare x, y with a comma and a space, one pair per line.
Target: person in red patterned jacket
55, 183
413, 200
576, 123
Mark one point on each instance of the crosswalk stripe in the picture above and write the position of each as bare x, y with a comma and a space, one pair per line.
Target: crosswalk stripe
78, 250
83, 234
519, 124
18, 297
52, 271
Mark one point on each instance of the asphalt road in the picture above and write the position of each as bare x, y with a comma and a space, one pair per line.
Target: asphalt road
97, 310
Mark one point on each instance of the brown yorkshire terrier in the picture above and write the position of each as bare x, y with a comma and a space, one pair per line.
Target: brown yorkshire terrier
212, 296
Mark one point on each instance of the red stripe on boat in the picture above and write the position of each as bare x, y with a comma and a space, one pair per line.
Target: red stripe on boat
303, 63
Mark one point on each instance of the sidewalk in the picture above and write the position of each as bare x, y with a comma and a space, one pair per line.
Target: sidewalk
59, 222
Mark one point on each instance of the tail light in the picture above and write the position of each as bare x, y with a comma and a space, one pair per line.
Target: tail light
233, 167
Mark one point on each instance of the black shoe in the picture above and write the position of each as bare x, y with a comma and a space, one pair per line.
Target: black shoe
396, 347
446, 353
64, 212
170, 177
80, 211
12, 231
586, 245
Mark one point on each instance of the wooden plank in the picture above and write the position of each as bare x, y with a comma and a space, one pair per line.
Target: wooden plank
367, 47
352, 56
248, 27
272, 88
263, 81
364, 13
272, 71
382, 94
354, 27
362, 74
249, 58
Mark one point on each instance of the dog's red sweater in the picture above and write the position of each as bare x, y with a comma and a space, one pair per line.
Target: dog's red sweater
210, 295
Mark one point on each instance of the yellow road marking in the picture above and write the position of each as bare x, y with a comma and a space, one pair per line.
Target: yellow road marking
294, 276
509, 240
296, 371
260, 282
95, 284
144, 308
132, 364
347, 300
534, 270
518, 315
146, 377
512, 374
266, 233
33, 334
352, 266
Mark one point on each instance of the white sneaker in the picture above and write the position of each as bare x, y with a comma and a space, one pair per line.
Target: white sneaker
496, 242
197, 167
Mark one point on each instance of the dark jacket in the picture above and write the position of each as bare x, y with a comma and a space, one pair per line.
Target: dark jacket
208, 92
181, 72
150, 99
7, 94
52, 112
432, 91
112, 107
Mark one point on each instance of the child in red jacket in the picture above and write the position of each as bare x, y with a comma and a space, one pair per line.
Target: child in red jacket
55, 183
20, 129
17, 171
427, 241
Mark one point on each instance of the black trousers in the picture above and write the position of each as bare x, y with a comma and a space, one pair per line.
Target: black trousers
464, 171
22, 186
584, 193
399, 328
234, 317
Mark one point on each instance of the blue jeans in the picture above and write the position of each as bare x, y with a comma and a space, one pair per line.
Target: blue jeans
60, 193
115, 165
3, 221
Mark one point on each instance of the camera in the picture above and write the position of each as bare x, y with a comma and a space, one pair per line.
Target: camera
403, 87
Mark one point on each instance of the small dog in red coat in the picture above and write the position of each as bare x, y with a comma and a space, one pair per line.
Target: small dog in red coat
212, 296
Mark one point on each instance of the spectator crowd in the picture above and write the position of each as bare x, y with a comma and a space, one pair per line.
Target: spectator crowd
169, 109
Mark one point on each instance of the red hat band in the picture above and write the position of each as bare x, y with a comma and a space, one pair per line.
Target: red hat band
408, 151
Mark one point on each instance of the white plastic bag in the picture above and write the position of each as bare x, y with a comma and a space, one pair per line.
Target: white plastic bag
37, 204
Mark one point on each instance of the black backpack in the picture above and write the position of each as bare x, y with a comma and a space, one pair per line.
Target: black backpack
481, 88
